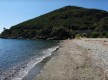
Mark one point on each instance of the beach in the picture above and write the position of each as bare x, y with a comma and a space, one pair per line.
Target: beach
78, 59
23, 59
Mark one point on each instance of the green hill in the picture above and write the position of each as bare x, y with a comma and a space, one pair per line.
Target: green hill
63, 23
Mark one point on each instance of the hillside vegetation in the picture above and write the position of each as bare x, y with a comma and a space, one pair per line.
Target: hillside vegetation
63, 23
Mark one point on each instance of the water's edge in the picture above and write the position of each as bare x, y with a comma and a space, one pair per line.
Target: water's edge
23, 58
39, 66
22, 74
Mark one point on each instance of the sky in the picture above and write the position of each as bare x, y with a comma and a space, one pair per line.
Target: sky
13, 12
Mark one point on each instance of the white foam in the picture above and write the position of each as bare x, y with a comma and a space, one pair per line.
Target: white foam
24, 71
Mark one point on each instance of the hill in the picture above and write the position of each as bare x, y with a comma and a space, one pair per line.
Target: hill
63, 23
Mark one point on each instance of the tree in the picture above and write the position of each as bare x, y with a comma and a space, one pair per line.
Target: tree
4, 28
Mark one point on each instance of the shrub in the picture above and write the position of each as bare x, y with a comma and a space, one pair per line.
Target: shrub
78, 36
106, 35
95, 34
84, 35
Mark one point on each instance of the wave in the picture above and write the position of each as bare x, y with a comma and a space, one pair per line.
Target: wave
23, 71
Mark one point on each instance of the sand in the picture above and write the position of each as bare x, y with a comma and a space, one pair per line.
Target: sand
84, 59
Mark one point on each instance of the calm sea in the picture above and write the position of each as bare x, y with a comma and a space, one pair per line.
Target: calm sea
17, 57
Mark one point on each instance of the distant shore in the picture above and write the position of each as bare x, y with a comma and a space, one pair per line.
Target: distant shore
83, 59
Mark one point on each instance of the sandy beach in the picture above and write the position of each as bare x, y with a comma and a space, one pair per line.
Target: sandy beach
83, 59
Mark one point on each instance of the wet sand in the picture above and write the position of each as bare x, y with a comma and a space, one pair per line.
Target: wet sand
84, 59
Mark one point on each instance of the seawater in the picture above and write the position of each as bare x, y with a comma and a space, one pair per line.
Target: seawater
17, 57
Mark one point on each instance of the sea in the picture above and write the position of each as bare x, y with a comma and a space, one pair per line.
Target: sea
18, 57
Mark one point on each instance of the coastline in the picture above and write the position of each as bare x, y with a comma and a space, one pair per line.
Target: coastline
32, 53
38, 67
74, 61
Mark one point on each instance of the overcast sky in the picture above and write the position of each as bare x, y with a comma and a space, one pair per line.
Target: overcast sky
16, 11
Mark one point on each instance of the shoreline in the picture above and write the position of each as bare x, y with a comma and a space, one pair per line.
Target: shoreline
23, 67
33, 72
37, 68
73, 61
